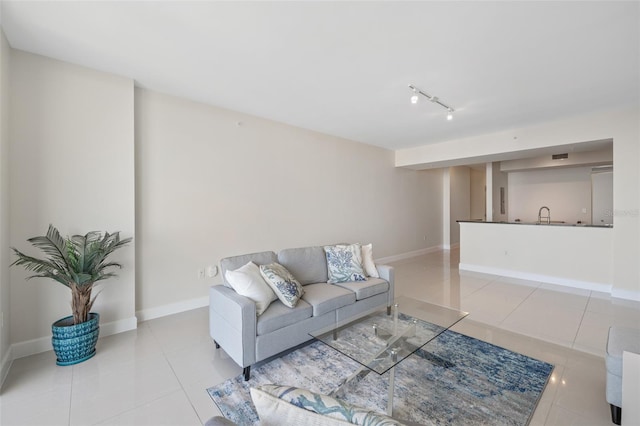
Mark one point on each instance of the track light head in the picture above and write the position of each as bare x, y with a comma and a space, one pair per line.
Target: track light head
414, 97
450, 115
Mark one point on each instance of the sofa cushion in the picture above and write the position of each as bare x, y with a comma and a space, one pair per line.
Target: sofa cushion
283, 284
247, 281
279, 405
344, 263
234, 262
307, 264
278, 316
368, 288
327, 297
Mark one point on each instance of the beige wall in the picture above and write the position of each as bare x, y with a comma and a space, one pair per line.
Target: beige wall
213, 183
478, 196
431, 196
620, 125
72, 159
499, 180
565, 191
460, 199
5, 53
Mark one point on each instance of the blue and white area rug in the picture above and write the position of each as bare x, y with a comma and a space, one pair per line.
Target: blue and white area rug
477, 384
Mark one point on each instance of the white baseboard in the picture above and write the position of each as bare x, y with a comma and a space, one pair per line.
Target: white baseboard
116, 327
172, 308
30, 347
408, 255
5, 365
43, 344
585, 285
626, 294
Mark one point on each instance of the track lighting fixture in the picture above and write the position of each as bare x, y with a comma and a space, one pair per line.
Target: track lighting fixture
433, 99
414, 97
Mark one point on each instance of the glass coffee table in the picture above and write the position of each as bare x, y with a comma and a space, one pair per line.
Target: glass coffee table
380, 341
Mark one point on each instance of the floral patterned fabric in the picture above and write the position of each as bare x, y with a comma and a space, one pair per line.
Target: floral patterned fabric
285, 285
328, 406
344, 263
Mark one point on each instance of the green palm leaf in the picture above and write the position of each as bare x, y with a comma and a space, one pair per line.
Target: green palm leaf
54, 246
77, 262
43, 268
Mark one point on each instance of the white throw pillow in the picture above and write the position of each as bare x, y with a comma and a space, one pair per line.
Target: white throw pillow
248, 282
368, 264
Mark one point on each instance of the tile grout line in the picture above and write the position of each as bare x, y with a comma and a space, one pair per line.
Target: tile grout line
135, 407
164, 354
584, 312
516, 308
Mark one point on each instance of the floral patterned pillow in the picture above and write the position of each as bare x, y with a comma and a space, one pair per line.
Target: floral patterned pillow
344, 263
324, 405
286, 287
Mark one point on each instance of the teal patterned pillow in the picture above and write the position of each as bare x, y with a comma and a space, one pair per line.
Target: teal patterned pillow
328, 406
344, 263
285, 286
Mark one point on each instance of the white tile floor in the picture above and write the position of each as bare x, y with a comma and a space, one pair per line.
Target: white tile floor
158, 374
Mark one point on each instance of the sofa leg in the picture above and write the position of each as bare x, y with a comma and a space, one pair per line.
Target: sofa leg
388, 310
246, 372
217, 344
616, 414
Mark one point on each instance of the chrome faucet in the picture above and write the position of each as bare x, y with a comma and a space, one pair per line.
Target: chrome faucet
547, 217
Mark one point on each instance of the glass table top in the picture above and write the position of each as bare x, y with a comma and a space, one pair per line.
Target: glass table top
379, 341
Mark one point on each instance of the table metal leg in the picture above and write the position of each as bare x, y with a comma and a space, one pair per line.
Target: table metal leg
392, 377
392, 380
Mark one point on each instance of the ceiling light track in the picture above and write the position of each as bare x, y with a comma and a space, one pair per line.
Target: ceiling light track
414, 100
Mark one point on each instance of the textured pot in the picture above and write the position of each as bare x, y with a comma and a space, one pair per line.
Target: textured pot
75, 343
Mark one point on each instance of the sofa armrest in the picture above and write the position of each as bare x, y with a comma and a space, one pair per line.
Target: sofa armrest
232, 324
388, 273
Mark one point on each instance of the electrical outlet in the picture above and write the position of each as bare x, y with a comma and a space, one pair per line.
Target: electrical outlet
424, 238
212, 271
201, 274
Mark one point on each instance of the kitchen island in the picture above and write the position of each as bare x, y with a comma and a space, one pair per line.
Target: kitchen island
573, 255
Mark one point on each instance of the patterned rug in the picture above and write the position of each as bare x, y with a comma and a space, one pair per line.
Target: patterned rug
478, 384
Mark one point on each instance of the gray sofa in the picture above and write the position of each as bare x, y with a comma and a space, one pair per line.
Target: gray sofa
619, 340
248, 338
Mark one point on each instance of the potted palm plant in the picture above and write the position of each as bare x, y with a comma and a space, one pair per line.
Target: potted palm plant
77, 262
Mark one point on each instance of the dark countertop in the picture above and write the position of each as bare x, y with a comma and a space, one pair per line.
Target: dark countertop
582, 225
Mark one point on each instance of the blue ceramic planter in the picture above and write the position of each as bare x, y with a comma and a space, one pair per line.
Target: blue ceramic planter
75, 343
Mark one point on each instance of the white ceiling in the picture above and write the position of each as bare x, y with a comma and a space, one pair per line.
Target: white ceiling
342, 68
